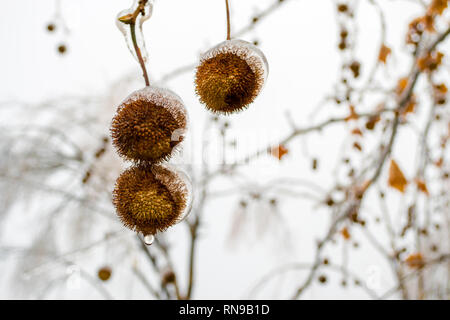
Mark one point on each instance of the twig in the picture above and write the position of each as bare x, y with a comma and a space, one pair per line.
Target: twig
130, 19
228, 20
145, 282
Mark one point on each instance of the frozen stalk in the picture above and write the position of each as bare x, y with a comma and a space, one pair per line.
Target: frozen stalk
126, 31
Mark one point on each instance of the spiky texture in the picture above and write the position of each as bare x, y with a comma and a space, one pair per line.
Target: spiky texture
149, 199
148, 124
230, 76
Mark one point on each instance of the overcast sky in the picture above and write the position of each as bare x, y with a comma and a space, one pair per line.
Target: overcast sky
299, 40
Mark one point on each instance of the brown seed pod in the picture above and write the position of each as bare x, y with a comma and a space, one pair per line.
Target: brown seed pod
148, 125
104, 273
151, 198
62, 48
51, 27
168, 277
230, 76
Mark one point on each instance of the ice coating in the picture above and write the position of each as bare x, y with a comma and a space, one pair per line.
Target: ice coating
162, 97
190, 194
254, 57
151, 198
149, 125
125, 28
179, 185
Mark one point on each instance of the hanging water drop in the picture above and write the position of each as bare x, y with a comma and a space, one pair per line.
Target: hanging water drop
148, 239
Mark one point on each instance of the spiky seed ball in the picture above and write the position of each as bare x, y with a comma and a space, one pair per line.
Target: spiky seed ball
151, 198
230, 76
62, 48
148, 125
51, 27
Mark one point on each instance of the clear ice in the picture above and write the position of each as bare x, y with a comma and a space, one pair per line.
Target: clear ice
126, 31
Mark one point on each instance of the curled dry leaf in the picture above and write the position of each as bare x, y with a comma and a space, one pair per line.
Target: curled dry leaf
345, 233
370, 124
357, 146
415, 31
279, 151
397, 179
428, 21
421, 185
410, 105
437, 7
385, 51
415, 260
353, 115
401, 85
430, 62
357, 132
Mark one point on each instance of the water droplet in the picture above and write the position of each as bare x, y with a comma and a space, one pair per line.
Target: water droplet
148, 239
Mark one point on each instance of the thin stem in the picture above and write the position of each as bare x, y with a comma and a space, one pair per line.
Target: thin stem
131, 20
228, 21
138, 53
146, 283
193, 229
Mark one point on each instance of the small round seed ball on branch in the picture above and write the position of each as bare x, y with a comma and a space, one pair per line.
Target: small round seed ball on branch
151, 198
230, 76
104, 273
148, 125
